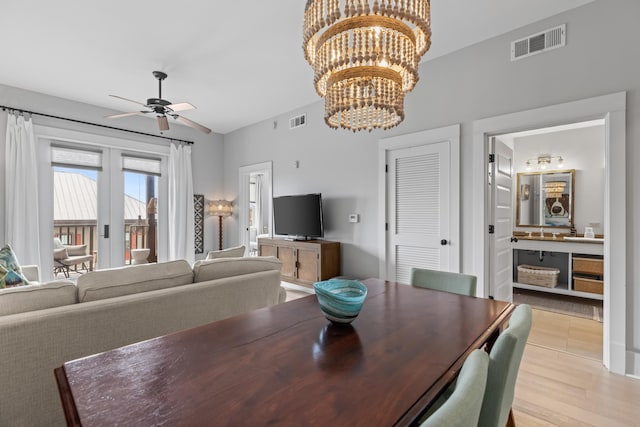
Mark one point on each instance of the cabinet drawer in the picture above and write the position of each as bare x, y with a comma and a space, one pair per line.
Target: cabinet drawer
588, 266
584, 284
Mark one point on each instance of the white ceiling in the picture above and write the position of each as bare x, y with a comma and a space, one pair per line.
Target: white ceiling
238, 62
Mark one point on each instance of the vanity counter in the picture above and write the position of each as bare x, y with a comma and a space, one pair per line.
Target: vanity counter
561, 254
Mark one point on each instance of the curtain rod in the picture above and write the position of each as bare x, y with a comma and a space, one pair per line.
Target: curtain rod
5, 108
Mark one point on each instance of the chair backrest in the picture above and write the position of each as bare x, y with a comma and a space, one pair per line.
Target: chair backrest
459, 283
462, 408
504, 362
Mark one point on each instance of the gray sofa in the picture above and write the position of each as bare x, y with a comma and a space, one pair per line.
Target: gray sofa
43, 326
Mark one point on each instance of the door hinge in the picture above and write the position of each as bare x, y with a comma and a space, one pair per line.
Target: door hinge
492, 158
386, 168
386, 226
492, 229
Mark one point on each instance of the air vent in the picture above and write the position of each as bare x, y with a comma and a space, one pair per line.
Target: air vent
537, 43
298, 121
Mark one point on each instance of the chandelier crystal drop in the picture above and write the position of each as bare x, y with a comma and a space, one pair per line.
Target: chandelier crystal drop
365, 56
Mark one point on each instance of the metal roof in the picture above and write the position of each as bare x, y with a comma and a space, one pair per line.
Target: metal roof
76, 196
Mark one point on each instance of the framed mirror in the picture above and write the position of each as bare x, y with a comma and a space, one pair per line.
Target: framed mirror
545, 199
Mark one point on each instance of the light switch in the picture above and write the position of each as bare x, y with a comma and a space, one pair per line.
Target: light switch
354, 218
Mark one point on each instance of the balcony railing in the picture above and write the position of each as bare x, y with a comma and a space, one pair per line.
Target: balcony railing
86, 233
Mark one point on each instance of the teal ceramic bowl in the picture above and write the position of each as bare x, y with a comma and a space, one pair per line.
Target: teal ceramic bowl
340, 300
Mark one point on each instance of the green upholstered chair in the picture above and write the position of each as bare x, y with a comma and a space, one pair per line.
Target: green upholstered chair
464, 284
504, 362
462, 408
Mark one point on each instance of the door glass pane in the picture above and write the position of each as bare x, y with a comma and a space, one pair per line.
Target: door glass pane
75, 199
140, 217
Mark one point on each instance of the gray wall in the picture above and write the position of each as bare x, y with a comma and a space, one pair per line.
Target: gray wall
207, 152
471, 84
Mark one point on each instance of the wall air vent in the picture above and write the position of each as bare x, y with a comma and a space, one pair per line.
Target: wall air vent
537, 43
298, 121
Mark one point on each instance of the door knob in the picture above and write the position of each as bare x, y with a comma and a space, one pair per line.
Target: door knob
443, 242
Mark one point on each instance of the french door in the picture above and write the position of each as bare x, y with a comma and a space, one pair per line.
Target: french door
109, 198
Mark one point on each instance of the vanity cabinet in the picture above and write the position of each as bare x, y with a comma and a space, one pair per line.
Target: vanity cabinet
580, 265
303, 262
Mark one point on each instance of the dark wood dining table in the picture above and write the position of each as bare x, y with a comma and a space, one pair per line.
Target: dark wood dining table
287, 365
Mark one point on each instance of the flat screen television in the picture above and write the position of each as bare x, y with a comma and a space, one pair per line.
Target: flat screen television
299, 216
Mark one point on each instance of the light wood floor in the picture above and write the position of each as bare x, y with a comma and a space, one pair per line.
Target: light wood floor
562, 381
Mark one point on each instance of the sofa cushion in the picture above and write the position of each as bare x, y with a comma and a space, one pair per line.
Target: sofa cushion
238, 251
133, 279
212, 269
37, 297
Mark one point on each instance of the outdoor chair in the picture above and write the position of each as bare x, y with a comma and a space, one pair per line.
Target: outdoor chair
67, 257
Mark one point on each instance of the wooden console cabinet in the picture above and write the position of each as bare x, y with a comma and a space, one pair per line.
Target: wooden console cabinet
303, 262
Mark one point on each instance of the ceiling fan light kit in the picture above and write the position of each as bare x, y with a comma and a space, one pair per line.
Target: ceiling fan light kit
365, 56
162, 108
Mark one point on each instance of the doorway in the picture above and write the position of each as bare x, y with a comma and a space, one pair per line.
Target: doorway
611, 109
255, 205
103, 192
558, 182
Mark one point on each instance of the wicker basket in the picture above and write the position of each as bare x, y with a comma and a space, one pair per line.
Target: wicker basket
539, 276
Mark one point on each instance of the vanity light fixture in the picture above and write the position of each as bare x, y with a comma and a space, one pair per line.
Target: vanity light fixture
544, 161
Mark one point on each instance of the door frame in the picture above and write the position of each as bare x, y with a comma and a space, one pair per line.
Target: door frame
611, 108
46, 135
244, 176
426, 137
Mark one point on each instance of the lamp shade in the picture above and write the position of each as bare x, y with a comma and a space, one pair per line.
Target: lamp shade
220, 208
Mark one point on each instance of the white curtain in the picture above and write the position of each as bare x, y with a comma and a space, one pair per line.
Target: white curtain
21, 190
258, 212
181, 223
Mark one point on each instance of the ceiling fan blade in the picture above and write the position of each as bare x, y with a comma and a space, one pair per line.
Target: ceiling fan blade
163, 123
182, 106
192, 124
130, 100
117, 116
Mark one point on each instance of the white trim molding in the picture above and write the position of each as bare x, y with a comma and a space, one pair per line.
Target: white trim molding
611, 108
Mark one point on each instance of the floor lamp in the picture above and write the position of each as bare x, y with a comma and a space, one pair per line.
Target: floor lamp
221, 209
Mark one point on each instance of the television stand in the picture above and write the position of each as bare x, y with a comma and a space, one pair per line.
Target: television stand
304, 262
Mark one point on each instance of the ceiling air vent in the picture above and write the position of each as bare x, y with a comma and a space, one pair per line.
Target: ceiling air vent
541, 42
298, 121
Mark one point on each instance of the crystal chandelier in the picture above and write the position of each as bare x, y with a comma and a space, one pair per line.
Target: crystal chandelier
365, 55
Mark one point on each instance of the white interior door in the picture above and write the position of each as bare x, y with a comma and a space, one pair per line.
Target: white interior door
501, 253
418, 202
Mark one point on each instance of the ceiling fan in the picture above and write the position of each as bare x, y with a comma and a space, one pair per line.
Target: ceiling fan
162, 108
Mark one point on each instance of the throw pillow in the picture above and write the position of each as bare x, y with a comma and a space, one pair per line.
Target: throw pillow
9, 278
227, 253
8, 259
10, 271
59, 254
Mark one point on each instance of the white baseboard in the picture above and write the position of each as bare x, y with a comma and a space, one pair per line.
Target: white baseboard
633, 364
